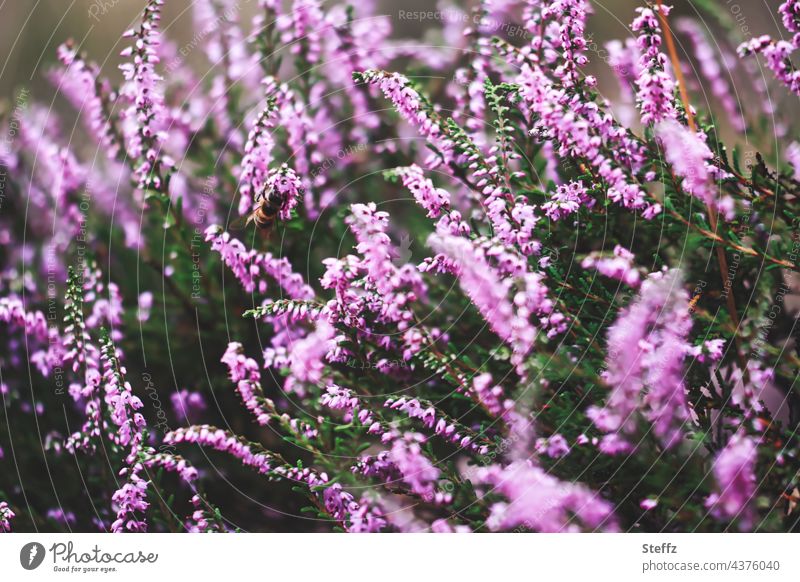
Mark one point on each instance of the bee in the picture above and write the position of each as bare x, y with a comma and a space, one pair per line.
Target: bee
270, 202
693, 302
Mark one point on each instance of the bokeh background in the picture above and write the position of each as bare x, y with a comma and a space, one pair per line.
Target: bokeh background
30, 30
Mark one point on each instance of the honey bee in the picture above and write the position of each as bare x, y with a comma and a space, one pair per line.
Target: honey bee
265, 215
693, 302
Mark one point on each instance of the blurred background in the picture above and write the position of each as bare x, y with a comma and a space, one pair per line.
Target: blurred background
31, 30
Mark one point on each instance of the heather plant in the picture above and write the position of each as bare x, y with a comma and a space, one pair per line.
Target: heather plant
333, 280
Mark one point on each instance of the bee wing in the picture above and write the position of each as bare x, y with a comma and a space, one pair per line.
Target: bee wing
239, 223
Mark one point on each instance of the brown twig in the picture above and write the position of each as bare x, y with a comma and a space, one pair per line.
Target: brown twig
712, 212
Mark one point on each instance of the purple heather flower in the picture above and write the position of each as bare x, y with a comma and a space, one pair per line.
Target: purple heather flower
58, 514
619, 267
307, 357
655, 86
487, 291
490, 394
508, 314
257, 158
339, 503
251, 267
199, 521
202, 520
234, 128
357, 517
302, 28
584, 130
379, 466
793, 157
146, 119
648, 504
415, 469
571, 18
81, 84
257, 179
708, 351
372, 282
145, 305
555, 446
734, 471
567, 199
540, 502
289, 188
778, 57
713, 72
224, 42
443, 526
357, 45
778, 53
790, 15
174, 464
691, 159
188, 405
303, 139
432, 419
414, 109
107, 311
55, 181
434, 200
245, 373
365, 518
623, 58
222, 441
131, 503
6, 515
469, 93
122, 403
339, 398
32, 323
646, 349
748, 395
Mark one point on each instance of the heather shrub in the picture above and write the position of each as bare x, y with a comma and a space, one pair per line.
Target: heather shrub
331, 279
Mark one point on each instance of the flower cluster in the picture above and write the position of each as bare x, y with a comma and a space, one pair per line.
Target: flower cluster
585, 131
257, 158
655, 86
415, 109
620, 267
778, 53
716, 74
566, 200
646, 346
251, 267
736, 482
81, 83
490, 290
6, 515
146, 119
220, 440
690, 157
539, 502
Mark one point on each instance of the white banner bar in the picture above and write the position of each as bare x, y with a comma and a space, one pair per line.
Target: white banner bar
400, 557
